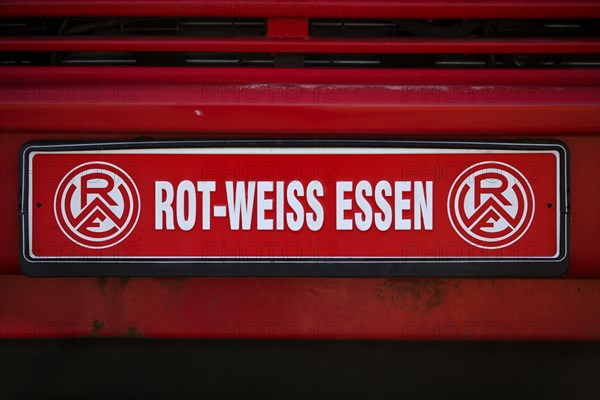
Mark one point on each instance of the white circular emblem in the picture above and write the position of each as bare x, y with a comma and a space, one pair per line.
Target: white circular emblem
97, 205
491, 205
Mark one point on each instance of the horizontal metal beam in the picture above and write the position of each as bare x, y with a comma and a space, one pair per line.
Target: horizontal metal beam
526, 77
239, 100
273, 45
301, 308
306, 8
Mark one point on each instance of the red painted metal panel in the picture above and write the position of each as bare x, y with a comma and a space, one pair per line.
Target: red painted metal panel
273, 45
62, 104
287, 27
307, 8
301, 308
527, 77
550, 102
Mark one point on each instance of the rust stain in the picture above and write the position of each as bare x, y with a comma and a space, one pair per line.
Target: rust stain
174, 286
171, 304
415, 295
172, 283
97, 327
123, 282
132, 333
101, 284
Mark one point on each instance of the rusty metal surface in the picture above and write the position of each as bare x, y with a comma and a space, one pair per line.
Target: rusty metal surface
301, 308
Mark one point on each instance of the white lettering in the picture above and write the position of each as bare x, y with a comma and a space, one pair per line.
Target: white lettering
383, 219
163, 195
185, 190
239, 205
424, 205
363, 219
206, 188
262, 205
295, 223
314, 220
401, 205
341, 205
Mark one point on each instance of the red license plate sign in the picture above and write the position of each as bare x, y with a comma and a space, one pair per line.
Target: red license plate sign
294, 208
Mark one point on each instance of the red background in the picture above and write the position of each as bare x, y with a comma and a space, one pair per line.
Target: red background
145, 169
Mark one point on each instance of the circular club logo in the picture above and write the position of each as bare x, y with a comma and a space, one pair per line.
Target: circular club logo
97, 205
491, 205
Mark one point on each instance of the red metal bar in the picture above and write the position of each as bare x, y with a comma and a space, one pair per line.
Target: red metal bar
306, 8
322, 76
275, 45
301, 308
378, 114
153, 105
287, 27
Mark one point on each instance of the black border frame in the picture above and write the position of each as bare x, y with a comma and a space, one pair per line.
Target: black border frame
364, 267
